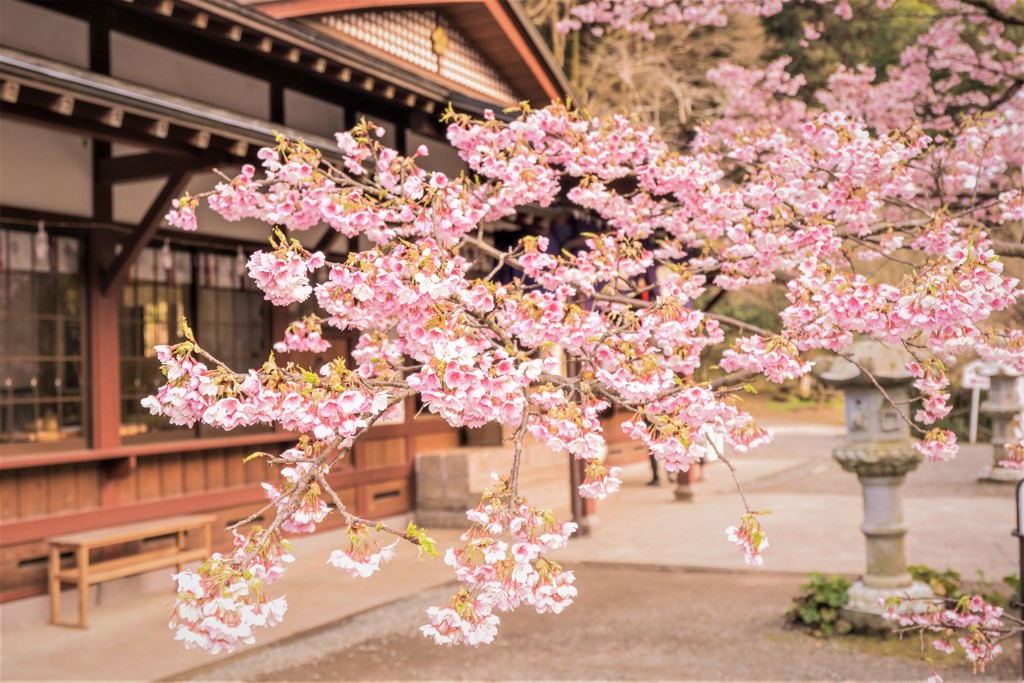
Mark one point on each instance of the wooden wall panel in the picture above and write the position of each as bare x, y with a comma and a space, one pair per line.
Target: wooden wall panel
148, 478
255, 470
194, 471
172, 480
89, 485
349, 496
22, 566
258, 471
222, 540
381, 453
385, 498
8, 494
346, 464
216, 469
62, 489
235, 466
117, 491
125, 485
426, 443
32, 492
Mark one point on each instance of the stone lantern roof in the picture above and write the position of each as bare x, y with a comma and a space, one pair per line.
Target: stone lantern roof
886, 363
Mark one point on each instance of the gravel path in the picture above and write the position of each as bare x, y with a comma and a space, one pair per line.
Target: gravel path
628, 623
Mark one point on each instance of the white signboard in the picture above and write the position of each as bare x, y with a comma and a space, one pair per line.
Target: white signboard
977, 374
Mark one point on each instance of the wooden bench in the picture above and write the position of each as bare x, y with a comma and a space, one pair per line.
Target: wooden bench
84, 574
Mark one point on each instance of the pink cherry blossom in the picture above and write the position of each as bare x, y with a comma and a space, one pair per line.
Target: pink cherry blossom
879, 208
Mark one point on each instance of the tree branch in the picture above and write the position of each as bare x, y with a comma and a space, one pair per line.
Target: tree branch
1004, 248
994, 12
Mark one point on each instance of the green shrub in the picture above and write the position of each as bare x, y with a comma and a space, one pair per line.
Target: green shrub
949, 584
817, 606
1013, 581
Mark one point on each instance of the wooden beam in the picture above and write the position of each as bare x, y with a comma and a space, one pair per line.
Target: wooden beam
131, 132
113, 118
9, 91
421, 426
523, 47
200, 139
62, 104
149, 165
289, 9
158, 129
324, 244
118, 270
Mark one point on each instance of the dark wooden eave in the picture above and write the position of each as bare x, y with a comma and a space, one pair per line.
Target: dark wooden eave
291, 46
50, 92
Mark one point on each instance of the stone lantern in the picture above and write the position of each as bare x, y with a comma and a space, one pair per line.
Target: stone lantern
1002, 406
879, 449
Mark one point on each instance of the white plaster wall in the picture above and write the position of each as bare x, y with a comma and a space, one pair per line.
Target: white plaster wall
44, 32
390, 137
132, 200
443, 157
45, 169
173, 72
311, 115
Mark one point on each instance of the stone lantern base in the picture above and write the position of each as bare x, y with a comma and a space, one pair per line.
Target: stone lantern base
864, 610
1000, 475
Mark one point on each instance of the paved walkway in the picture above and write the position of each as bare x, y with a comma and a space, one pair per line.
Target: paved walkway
814, 526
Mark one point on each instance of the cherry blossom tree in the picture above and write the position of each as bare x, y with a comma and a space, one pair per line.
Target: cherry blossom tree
917, 170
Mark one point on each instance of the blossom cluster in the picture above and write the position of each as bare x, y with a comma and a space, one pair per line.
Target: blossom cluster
364, 555
283, 274
502, 567
219, 605
301, 514
973, 623
304, 335
750, 537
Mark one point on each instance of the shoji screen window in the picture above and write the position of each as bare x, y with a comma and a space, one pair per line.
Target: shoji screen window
42, 355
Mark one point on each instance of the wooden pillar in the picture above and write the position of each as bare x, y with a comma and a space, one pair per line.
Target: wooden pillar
104, 348
277, 112
104, 393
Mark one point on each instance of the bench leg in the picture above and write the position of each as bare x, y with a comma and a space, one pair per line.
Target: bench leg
82, 557
54, 584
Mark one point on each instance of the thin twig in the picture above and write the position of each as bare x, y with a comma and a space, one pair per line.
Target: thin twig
513, 480
732, 472
889, 399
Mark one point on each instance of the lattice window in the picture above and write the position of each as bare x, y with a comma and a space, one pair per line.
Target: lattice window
228, 314
157, 294
42, 326
413, 37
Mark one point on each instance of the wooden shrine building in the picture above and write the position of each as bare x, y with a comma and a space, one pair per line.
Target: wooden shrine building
111, 108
